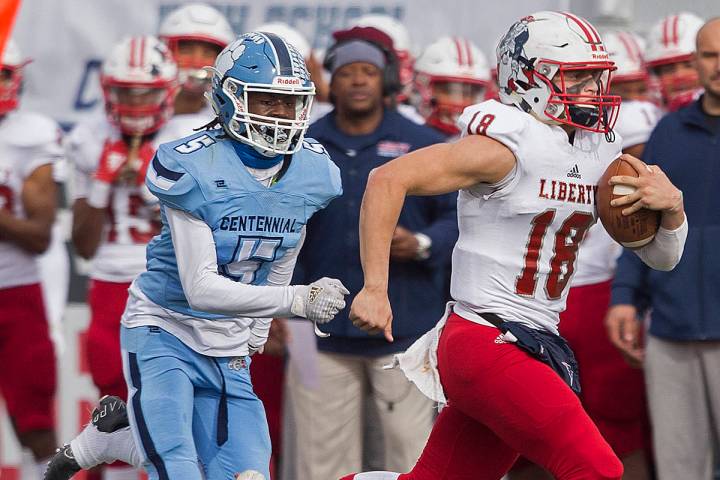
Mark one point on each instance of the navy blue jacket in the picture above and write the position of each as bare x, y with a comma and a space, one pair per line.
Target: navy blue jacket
332, 245
686, 300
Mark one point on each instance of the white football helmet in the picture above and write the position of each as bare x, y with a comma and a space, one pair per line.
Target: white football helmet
10, 76
195, 22
672, 41
139, 81
401, 43
291, 35
536, 57
626, 50
450, 75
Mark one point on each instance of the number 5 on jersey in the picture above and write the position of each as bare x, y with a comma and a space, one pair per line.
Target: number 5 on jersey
249, 254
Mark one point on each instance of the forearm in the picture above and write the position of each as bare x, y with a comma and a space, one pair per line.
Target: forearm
87, 228
666, 249
30, 235
213, 293
379, 214
208, 291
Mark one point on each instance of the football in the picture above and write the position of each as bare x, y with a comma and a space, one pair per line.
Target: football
631, 231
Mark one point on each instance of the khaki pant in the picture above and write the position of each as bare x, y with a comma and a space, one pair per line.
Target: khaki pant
327, 421
683, 385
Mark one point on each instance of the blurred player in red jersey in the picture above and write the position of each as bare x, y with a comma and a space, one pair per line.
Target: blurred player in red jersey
496, 359
622, 419
669, 58
450, 75
29, 146
113, 215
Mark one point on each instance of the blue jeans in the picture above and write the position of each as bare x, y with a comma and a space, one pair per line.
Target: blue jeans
192, 416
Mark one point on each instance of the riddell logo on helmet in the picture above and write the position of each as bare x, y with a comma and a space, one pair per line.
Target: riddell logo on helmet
600, 56
286, 81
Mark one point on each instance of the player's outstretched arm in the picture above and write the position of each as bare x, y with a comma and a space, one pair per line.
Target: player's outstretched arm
433, 170
38, 199
655, 191
208, 291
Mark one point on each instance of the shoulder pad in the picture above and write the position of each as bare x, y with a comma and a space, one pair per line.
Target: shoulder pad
503, 123
180, 126
170, 181
324, 181
84, 144
26, 129
636, 122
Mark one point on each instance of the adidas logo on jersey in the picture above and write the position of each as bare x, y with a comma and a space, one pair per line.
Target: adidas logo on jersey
574, 172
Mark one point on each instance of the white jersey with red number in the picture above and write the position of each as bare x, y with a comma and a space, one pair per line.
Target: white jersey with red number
519, 239
599, 253
636, 122
133, 217
27, 141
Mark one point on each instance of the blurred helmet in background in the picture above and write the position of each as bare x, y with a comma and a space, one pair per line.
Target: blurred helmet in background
11, 67
139, 80
451, 74
195, 23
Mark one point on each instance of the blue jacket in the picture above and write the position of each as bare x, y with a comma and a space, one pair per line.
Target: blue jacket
686, 300
332, 246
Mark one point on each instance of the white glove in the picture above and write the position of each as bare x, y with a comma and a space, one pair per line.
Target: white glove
259, 332
320, 301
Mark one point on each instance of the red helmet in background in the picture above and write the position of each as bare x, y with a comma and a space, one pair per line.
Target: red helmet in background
195, 22
450, 75
10, 77
139, 81
671, 46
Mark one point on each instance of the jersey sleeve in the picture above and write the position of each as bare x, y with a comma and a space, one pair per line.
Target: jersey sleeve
39, 138
169, 180
327, 183
500, 122
636, 122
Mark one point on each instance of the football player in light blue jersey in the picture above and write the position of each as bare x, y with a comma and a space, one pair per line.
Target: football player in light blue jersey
235, 201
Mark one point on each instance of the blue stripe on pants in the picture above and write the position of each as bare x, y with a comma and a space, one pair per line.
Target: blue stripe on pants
147, 442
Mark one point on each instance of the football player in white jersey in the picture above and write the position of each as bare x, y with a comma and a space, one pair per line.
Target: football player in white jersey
195, 34
113, 216
495, 358
669, 59
603, 371
450, 75
29, 146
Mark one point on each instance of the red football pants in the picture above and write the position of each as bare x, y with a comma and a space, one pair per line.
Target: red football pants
27, 376
613, 393
502, 403
107, 303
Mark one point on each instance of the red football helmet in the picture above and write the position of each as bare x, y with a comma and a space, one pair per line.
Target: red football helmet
451, 74
139, 81
200, 23
631, 80
10, 77
671, 46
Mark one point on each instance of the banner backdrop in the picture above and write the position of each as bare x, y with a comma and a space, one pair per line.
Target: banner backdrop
67, 39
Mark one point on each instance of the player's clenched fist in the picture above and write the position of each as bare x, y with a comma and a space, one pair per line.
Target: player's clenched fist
371, 311
320, 301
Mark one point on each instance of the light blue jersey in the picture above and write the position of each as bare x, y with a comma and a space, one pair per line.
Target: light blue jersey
252, 225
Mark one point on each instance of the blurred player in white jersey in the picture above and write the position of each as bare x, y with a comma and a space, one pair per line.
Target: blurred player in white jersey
496, 359
622, 420
450, 75
195, 34
669, 59
113, 215
29, 146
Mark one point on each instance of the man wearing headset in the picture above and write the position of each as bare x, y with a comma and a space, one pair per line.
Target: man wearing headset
361, 133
